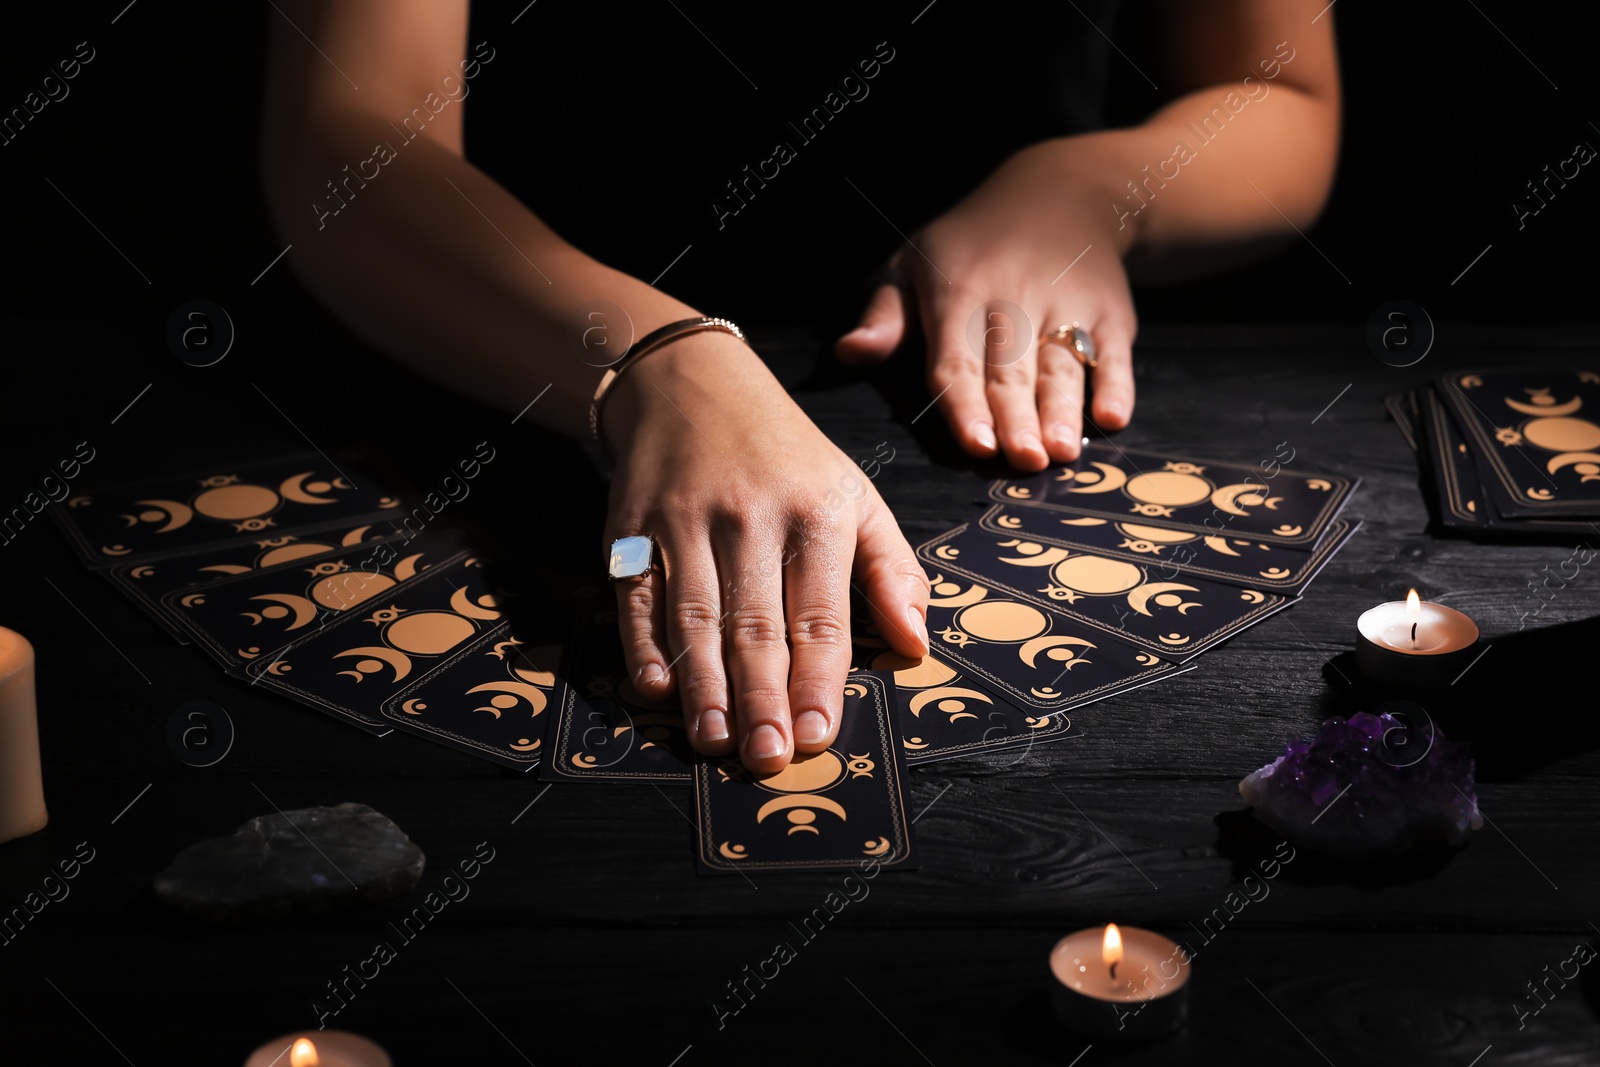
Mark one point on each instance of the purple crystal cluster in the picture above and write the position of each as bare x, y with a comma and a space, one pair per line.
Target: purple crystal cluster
1368, 786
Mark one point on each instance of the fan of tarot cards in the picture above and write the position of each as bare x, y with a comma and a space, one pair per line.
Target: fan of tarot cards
1071, 586
1507, 452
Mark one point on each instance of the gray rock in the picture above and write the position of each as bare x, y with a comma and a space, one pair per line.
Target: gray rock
298, 863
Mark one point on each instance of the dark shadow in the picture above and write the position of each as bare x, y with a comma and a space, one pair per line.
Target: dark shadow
1248, 843
1032, 1028
1589, 978
1491, 706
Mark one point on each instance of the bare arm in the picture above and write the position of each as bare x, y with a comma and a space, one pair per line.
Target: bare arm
759, 519
1223, 173
1247, 153
419, 252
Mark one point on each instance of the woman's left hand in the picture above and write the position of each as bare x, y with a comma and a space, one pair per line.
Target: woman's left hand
1038, 245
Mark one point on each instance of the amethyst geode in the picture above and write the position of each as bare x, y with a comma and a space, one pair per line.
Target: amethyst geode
1402, 785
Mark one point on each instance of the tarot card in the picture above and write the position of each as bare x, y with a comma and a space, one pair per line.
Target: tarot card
945, 714
1402, 408
372, 652
1269, 503
842, 807
239, 620
488, 698
1173, 552
146, 583
237, 505
1036, 658
1534, 436
1130, 602
603, 729
1450, 477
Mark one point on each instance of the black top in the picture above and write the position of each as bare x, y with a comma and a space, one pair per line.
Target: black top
782, 145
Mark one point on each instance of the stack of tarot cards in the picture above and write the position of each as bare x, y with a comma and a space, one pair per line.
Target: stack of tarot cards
1508, 452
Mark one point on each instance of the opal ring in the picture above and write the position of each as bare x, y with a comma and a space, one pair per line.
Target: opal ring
1074, 339
632, 557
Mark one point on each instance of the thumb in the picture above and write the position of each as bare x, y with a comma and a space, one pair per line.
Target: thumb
878, 333
893, 582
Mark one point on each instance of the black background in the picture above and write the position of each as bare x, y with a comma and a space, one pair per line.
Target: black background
1445, 120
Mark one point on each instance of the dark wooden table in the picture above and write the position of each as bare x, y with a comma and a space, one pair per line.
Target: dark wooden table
589, 938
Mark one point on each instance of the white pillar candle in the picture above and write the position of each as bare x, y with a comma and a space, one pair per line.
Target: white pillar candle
1414, 643
22, 810
1119, 983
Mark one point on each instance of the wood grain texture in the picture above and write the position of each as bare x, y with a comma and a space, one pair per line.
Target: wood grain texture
592, 902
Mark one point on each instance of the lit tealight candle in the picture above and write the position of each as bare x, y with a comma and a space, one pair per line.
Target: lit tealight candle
1414, 643
320, 1048
1119, 983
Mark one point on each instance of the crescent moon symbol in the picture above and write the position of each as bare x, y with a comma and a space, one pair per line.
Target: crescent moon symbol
355, 537
304, 610
1048, 558
532, 694
1546, 411
407, 567
1557, 462
879, 847
1226, 498
956, 600
923, 699
800, 800
293, 489
1032, 648
1220, 544
1114, 479
399, 661
525, 745
177, 514
411, 707
1139, 599
463, 604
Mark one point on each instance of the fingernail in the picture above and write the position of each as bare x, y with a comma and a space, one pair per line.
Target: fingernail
983, 433
765, 742
918, 628
651, 674
1116, 409
713, 726
1029, 442
810, 728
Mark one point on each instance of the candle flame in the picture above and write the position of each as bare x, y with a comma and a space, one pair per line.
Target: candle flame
303, 1054
1111, 947
1413, 605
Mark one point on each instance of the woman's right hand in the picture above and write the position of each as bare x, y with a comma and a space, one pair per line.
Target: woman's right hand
762, 526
